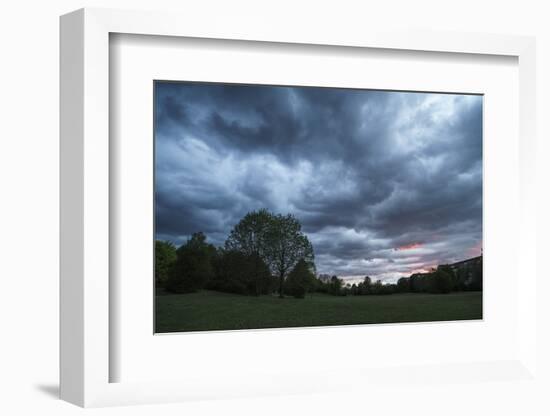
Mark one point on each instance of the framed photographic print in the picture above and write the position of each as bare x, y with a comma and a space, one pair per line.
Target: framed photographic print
289, 206
228, 197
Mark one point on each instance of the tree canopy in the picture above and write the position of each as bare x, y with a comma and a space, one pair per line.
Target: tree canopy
277, 239
249, 236
287, 246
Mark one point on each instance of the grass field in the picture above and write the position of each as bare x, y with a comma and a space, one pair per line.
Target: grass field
209, 310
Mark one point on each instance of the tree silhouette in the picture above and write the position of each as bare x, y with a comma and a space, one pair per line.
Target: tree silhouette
287, 245
193, 266
278, 240
300, 280
249, 237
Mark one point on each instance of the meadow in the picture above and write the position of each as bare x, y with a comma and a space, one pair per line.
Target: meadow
209, 310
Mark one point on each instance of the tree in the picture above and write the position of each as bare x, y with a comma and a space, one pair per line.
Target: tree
441, 282
377, 287
276, 239
193, 266
300, 280
165, 257
321, 286
286, 246
403, 285
335, 286
420, 282
454, 277
249, 236
366, 287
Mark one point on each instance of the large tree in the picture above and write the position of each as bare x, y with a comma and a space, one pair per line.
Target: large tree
276, 239
249, 237
287, 245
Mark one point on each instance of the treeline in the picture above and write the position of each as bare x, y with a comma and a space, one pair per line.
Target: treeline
444, 279
336, 286
264, 253
267, 253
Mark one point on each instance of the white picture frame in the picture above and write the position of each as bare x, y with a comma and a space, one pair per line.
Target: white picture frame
85, 210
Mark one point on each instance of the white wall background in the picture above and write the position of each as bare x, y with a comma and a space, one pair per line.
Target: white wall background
29, 206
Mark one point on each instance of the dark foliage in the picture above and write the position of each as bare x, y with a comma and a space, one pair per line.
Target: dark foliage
364, 288
300, 280
277, 239
193, 266
380, 289
403, 285
476, 282
265, 253
165, 257
238, 272
335, 286
441, 282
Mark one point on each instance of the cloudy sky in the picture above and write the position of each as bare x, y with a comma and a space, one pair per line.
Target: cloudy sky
384, 183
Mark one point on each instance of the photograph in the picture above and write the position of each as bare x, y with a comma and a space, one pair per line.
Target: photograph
279, 206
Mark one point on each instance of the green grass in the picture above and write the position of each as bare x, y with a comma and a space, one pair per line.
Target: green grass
209, 310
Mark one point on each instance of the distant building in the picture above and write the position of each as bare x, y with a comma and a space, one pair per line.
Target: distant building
417, 275
466, 264
466, 268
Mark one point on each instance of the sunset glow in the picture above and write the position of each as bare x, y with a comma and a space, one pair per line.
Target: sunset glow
409, 246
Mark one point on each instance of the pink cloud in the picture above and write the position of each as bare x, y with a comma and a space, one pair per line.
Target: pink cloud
409, 246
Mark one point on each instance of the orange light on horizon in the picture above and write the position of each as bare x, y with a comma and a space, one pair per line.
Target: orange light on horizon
424, 269
409, 246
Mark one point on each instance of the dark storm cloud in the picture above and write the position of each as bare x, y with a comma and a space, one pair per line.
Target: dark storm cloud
384, 183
